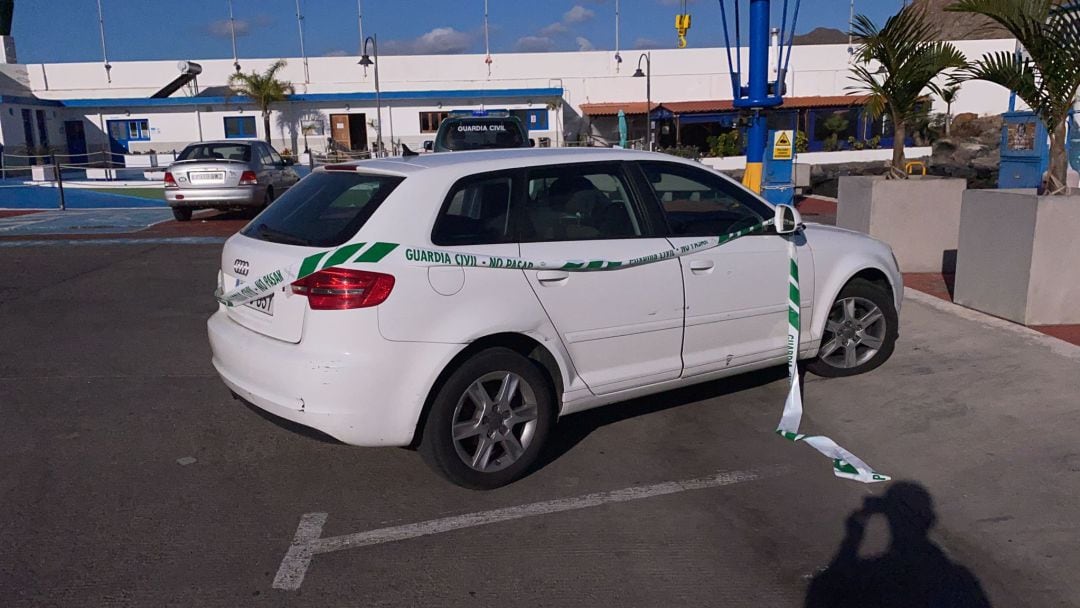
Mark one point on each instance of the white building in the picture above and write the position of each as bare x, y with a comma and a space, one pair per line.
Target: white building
564, 98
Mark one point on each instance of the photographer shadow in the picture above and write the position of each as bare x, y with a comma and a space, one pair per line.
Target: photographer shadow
913, 572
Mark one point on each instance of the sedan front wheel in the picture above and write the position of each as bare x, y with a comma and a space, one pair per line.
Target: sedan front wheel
860, 333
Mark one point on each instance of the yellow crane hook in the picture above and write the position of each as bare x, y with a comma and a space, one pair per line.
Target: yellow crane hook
682, 24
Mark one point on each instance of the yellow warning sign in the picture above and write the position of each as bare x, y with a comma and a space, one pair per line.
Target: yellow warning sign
782, 148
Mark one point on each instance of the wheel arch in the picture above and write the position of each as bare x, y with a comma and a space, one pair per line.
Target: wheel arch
524, 345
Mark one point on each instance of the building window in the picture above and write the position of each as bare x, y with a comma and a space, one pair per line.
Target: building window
240, 126
430, 121
138, 130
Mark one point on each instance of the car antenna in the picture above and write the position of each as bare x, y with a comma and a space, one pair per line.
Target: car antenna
406, 152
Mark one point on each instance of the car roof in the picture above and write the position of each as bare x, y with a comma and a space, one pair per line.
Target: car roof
224, 141
480, 161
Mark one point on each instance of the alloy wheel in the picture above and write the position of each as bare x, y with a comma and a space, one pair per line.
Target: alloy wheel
854, 332
494, 421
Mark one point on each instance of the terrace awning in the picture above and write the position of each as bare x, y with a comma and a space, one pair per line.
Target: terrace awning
707, 107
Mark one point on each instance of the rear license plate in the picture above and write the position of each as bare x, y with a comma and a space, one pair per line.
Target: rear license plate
207, 177
264, 305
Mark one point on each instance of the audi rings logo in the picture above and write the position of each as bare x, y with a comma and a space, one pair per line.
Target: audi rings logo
240, 267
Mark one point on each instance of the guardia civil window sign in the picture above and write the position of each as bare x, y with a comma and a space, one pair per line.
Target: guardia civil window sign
437, 320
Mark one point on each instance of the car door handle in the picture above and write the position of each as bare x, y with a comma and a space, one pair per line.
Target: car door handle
552, 276
701, 266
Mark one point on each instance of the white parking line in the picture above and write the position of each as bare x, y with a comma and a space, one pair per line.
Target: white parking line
308, 540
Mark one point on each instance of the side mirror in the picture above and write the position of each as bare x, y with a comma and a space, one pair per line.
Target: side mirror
787, 220
532, 143
429, 146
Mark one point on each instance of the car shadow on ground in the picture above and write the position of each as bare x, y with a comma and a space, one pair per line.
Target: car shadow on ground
913, 571
574, 428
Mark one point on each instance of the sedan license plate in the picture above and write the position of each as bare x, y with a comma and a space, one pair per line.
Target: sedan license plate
206, 177
264, 305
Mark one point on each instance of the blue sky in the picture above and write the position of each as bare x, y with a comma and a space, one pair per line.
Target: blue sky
66, 30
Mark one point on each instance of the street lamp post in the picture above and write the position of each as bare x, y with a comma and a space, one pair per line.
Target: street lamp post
648, 94
366, 60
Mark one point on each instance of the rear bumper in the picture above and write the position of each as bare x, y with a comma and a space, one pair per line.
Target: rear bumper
239, 196
368, 397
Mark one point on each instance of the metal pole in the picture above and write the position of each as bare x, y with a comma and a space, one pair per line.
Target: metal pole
300, 27
360, 23
648, 98
758, 92
104, 53
378, 96
59, 181
232, 32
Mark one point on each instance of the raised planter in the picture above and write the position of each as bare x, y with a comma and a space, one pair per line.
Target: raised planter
43, 173
918, 217
1018, 256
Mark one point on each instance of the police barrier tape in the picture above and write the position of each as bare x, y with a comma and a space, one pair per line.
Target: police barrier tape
845, 464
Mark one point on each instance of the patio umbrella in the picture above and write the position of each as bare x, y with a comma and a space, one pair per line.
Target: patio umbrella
622, 129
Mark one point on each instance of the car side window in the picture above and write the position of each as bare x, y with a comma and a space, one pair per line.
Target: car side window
264, 156
274, 156
576, 203
476, 212
699, 203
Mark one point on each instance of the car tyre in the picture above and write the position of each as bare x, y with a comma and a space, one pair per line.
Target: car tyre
860, 332
489, 420
182, 214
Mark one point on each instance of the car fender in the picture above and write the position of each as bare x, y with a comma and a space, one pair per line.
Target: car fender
839, 255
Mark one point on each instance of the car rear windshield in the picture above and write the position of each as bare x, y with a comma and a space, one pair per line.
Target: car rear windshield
324, 209
480, 134
222, 151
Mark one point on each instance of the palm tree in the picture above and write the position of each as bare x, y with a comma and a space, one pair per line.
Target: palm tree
263, 89
949, 95
896, 65
1047, 82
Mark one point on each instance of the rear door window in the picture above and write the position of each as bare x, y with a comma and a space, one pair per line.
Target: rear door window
476, 212
324, 209
579, 202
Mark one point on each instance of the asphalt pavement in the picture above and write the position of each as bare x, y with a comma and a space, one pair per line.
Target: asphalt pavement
130, 477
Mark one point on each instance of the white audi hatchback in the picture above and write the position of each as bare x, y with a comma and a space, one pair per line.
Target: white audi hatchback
388, 345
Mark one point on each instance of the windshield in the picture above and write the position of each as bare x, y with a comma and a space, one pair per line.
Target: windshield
324, 209
479, 134
222, 151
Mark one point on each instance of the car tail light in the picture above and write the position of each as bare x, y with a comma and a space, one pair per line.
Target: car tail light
247, 178
170, 181
341, 288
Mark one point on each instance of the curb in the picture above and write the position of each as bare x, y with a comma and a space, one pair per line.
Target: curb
1059, 347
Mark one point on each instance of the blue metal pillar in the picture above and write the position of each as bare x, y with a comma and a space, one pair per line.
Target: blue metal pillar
758, 93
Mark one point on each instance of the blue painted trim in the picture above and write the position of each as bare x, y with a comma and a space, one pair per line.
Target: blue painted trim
540, 94
30, 101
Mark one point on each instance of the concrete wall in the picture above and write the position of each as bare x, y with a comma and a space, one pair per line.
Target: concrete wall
918, 217
824, 158
1017, 255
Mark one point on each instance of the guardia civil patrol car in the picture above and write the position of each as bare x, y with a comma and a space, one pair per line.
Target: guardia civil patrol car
474, 364
479, 130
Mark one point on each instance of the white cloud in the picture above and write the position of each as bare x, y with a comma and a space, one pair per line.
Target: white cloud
584, 44
578, 14
534, 44
336, 53
646, 43
220, 27
553, 29
439, 41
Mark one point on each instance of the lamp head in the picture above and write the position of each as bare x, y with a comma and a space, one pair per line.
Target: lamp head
366, 61
638, 73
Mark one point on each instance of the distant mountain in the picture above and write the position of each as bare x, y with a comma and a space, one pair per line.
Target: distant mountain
822, 35
960, 26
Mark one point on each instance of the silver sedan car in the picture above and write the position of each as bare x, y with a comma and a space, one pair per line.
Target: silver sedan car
226, 174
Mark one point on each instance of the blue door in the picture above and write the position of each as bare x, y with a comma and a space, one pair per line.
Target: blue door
121, 132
